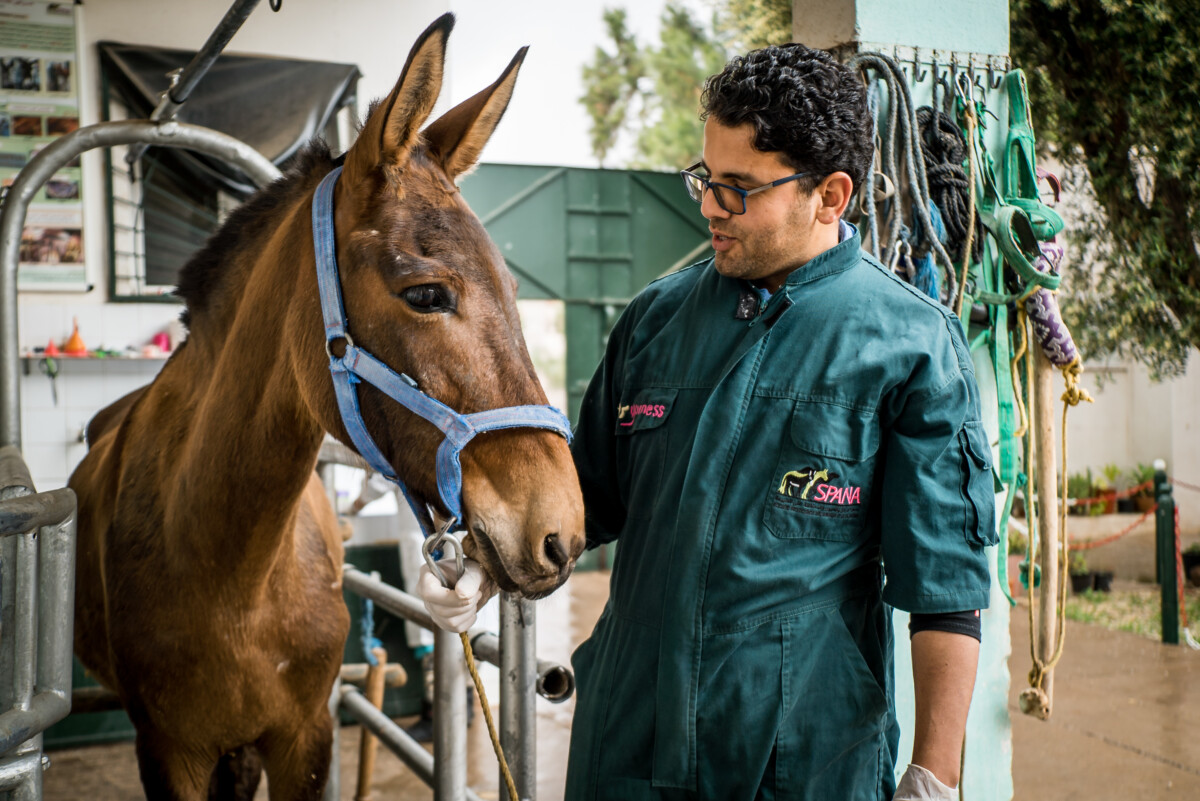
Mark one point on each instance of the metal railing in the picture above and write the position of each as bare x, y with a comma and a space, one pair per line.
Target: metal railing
523, 677
37, 611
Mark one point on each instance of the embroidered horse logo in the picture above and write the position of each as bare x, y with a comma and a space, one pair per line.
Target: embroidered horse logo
793, 480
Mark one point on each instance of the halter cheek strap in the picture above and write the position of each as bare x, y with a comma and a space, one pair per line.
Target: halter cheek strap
356, 365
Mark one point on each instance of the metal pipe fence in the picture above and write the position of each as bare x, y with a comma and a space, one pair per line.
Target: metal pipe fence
37, 611
523, 678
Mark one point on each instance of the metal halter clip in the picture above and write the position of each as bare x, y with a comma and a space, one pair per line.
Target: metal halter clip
434, 542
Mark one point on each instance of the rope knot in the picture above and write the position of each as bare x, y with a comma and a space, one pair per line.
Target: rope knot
1075, 394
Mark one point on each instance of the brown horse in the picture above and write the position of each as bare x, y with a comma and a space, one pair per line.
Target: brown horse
209, 561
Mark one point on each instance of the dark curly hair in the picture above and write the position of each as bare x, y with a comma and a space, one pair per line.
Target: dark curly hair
803, 105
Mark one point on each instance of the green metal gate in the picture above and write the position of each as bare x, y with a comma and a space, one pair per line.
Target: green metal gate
590, 238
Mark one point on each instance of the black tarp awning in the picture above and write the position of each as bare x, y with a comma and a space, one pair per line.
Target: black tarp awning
274, 105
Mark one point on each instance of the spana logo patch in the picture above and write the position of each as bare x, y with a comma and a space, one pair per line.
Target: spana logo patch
812, 484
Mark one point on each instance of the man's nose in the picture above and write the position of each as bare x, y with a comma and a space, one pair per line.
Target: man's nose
710, 208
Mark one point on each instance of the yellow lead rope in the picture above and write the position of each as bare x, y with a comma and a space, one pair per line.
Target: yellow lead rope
487, 715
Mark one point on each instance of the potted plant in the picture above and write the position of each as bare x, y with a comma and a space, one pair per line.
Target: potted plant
1079, 487
1102, 580
1123, 482
1191, 564
1104, 488
1143, 477
1081, 577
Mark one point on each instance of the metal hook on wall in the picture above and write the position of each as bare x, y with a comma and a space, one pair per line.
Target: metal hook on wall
994, 77
918, 73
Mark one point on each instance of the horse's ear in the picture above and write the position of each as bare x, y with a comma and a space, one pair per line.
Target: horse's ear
458, 137
394, 125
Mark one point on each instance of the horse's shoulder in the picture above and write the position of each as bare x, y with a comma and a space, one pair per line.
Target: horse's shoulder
111, 417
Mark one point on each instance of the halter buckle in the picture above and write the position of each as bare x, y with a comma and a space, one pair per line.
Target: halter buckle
349, 344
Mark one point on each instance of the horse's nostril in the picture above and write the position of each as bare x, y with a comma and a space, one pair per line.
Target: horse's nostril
555, 551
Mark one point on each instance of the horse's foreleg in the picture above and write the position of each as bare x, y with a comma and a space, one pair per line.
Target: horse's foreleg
236, 776
170, 771
297, 759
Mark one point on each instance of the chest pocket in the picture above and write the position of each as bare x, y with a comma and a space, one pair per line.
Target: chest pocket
821, 487
641, 443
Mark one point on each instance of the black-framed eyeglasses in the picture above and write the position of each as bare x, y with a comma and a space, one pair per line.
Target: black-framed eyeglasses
730, 198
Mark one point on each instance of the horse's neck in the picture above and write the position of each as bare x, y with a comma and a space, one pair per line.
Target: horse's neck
250, 443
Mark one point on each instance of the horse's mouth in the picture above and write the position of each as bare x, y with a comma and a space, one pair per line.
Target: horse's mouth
488, 555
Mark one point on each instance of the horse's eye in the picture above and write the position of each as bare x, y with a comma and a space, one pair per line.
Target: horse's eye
427, 298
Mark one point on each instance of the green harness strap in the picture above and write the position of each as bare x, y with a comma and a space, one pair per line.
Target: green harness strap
1001, 351
988, 287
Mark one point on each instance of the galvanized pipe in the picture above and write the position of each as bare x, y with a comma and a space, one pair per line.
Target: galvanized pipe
18, 772
555, 682
14, 473
387, 597
518, 683
28, 512
394, 738
25, 632
185, 80
449, 717
53, 619
14, 483
39, 170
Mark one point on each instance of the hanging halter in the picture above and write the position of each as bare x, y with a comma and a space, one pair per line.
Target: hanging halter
356, 365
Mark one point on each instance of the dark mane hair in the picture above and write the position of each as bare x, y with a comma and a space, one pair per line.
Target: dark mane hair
803, 105
203, 272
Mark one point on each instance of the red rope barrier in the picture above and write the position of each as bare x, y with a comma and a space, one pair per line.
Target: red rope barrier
1184, 484
1085, 545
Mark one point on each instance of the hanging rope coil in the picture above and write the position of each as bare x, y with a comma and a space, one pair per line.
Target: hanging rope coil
902, 134
945, 150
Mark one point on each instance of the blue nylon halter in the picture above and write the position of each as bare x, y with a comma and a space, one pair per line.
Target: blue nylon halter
357, 365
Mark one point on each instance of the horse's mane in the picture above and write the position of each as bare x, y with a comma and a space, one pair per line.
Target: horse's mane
202, 274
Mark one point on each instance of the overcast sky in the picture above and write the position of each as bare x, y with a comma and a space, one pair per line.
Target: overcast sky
545, 124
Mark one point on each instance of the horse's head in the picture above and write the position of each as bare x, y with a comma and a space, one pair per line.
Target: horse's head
427, 292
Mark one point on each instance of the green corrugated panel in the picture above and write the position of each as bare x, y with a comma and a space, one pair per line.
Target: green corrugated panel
591, 238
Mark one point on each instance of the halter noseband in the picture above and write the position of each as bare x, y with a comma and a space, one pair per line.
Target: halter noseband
356, 365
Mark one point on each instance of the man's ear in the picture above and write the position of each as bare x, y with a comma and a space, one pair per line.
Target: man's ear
833, 195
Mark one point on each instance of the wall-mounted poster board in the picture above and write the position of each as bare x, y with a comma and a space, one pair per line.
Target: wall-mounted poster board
39, 101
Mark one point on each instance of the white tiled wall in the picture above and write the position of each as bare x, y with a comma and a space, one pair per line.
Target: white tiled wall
50, 426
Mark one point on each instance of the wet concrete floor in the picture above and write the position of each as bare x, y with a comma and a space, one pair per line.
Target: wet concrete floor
1126, 723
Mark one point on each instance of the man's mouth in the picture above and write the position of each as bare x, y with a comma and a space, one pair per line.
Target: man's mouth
721, 242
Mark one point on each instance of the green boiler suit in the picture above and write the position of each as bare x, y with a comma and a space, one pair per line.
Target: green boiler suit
779, 474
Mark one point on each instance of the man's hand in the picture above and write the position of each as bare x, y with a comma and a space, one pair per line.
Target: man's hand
918, 784
455, 609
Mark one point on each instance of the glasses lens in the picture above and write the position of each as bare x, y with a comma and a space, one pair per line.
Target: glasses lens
695, 186
731, 201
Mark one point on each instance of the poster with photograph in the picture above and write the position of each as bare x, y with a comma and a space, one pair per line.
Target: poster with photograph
39, 101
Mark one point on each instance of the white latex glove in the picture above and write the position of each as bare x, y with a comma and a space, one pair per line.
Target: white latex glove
918, 784
455, 609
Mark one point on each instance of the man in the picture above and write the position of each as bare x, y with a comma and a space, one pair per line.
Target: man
771, 432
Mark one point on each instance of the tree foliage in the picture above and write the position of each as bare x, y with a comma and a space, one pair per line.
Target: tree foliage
652, 92
610, 83
1115, 87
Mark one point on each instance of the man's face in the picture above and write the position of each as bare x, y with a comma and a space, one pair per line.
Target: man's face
776, 233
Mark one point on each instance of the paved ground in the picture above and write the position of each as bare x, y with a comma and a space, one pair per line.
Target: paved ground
1126, 723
